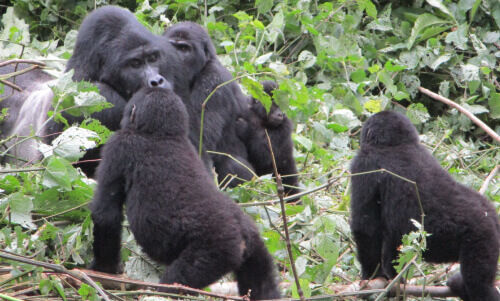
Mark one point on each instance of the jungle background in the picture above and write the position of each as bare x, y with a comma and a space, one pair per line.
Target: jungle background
337, 63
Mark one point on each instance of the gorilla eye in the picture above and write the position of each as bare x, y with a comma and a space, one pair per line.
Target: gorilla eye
152, 58
181, 45
135, 63
255, 100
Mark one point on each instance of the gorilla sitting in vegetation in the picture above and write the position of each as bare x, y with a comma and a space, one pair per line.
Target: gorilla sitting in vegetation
205, 73
116, 51
279, 128
463, 225
176, 213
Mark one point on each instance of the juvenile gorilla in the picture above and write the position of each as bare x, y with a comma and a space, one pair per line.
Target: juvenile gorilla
176, 213
463, 224
279, 128
204, 74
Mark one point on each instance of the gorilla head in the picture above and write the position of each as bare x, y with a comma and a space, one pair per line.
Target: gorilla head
378, 132
169, 118
114, 48
193, 44
275, 116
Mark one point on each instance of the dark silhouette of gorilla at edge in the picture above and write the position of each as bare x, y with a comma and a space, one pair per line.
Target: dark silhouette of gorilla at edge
176, 213
204, 73
279, 128
463, 224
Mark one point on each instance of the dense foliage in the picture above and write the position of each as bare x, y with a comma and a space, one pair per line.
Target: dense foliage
337, 62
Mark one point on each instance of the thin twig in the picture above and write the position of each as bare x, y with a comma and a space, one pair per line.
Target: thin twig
13, 86
21, 61
281, 194
490, 177
297, 196
451, 103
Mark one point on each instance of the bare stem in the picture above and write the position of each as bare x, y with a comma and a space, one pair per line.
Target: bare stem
281, 194
451, 103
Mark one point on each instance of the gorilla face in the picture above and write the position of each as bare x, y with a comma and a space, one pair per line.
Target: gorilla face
133, 69
272, 119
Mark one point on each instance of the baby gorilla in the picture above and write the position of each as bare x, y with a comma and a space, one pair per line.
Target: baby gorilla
463, 224
279, 128
176, 213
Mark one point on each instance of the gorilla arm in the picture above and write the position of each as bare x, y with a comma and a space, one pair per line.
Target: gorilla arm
366, 219
107, 213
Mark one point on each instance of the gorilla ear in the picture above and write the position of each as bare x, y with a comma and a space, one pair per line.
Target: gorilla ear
132, 114
209, 49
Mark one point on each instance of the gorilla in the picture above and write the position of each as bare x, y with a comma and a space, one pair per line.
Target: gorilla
114, 51
279, 128
463, 224
204, 74
175, 211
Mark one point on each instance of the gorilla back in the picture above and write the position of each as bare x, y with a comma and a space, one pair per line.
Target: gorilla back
175, 211
462, 223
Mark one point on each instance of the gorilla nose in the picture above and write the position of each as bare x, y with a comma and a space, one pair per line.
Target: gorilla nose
159, 82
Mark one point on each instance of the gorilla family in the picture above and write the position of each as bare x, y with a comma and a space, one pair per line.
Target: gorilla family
176, 213
279, 128
205, 73
463, 224
115, 51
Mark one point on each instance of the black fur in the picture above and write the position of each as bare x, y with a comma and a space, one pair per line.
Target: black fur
204, 73
463, 224
175, 211
279, 128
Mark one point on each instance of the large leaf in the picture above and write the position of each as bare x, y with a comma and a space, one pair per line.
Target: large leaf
424, 21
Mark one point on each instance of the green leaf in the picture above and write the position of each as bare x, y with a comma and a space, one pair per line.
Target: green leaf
304, 285
307, 59
373, 105
264, 6
59, 173
439, 4
417, 113
257, 92
494, 103
358, 76
21, 206
472, 12
394, 68
458, 37
305, 142
422, 22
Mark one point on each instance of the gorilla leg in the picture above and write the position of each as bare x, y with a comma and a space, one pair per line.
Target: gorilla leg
200, 265
478, 262
257, 274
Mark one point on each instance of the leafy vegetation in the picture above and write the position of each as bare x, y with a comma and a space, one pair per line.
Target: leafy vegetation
337, 62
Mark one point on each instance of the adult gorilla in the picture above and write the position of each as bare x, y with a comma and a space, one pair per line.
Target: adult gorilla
114, 50
204, 73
